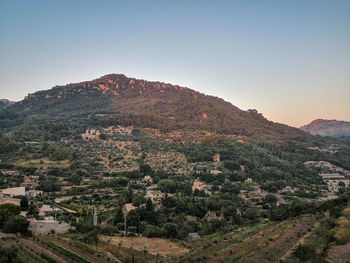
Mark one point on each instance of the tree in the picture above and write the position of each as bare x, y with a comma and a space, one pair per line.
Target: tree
156, 179
103, 136
95, 238
133, 219
33, 210
138, 200
171, 230
149, 205
118, 217
24, 203
146, 169
49, 186
59, 154
161, 174
188, 189
18, 224
252, 214
75, 179
230, 211
304, 252
270, 198
92, 236
7, 212
149, 215
167, 186
341, 183
231, 165
10, 254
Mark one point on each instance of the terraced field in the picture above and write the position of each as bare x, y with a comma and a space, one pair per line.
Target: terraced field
264, 242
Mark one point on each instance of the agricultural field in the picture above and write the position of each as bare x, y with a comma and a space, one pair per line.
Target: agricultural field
154, 246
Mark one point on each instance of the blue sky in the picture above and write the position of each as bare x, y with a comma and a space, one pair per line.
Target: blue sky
288, 59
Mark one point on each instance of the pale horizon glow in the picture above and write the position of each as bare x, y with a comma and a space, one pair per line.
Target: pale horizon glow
290, 60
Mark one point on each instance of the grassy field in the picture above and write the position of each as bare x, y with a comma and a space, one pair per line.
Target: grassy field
42, 162
22, 252
264, 242
106, 251
155, 246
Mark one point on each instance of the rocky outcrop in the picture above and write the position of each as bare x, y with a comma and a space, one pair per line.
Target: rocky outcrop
332, 128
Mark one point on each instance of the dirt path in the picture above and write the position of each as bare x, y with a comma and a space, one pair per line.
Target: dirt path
40, 249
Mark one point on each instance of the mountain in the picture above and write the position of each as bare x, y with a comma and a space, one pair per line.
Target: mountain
332, 128
185, 179
121, 100
5, 103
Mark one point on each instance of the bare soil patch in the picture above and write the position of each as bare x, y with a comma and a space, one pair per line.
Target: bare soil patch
159, 246
339, 254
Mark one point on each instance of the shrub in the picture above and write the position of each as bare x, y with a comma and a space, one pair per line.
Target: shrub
304, 252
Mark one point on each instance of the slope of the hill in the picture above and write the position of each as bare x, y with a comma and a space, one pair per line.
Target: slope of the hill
4, 103
332, 128
122, 100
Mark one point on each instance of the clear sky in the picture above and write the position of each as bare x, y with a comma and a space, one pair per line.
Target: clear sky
289, 60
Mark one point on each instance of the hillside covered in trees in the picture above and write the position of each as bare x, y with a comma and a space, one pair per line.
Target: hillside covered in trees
127, 101
206, 180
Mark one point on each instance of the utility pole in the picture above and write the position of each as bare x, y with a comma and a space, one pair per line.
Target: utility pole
94, 217
125, 220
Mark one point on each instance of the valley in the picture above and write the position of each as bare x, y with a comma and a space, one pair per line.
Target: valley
124, 170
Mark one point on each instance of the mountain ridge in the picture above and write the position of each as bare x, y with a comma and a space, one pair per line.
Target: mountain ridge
4, 103
131, 101
324, 127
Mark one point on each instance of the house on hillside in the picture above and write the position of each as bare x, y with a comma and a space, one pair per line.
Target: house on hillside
34, 193
129, 207
48, 208
191, 218
215, 172
211, 215
289, 189
47, 226
9, 172
147, 178
155, 196
216, 158
27, 180
248, 180
193, 236
200, 186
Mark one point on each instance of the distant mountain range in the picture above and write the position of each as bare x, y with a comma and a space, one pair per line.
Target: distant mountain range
128, 101
5, 103
332, 128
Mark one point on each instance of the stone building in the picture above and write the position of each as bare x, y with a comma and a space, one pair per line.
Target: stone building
47, 226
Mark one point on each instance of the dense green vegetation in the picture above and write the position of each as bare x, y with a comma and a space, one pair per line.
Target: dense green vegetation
11, 221
69, 253
17, 254
144, 104
97, 151
273, 166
